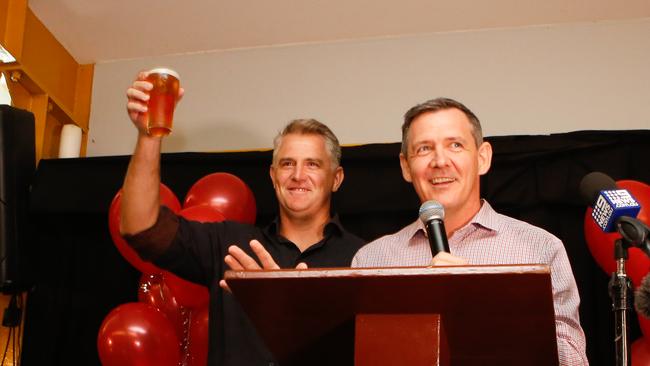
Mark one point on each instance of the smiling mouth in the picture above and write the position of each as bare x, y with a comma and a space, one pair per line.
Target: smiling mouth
298, 190
442, 180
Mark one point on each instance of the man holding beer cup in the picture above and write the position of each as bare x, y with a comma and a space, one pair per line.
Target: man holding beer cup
305, 171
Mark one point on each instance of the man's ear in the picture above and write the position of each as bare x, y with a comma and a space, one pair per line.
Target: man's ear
339, 175
406, 171
484, 157
272, 174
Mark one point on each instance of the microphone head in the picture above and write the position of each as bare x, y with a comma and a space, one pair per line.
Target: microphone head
430, 210
642, 297
591, 185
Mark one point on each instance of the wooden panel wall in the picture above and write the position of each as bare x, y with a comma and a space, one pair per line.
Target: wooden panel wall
45, 78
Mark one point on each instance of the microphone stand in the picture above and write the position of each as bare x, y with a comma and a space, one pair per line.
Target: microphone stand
620, 291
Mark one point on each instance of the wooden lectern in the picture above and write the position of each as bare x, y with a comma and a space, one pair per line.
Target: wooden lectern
460, 315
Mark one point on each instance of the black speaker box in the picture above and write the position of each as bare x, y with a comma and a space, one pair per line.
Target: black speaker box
17, 166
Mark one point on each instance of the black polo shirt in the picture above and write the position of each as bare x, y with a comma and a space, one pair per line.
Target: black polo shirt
196, 253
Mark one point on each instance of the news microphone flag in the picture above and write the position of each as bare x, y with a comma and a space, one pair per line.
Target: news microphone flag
611, 205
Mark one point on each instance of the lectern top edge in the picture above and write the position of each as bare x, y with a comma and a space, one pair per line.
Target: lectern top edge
391, 271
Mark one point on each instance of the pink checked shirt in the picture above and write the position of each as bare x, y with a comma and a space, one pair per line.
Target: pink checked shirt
492, 238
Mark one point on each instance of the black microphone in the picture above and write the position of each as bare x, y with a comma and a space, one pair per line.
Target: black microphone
642, 297
432, 213
610, 203
635, 232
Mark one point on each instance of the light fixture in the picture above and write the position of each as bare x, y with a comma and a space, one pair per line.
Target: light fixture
5, 56
5, 97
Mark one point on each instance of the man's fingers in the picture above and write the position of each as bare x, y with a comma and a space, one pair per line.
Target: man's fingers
446, 259
264, 256
136, 107
138, 96
233, 263
242, 259
143, 75
224, 285
142, 85
302, 265
137, 93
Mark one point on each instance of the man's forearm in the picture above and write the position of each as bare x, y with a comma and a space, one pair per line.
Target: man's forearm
140, 193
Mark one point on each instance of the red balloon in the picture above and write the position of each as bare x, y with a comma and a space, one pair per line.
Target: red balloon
187, 293
155, 292
601, 245
229, 194
202, 213
167, 198
641, 192
139, 335
640, 354
644, 324
198, 345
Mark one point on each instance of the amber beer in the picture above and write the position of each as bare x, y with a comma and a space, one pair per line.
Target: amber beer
162, 101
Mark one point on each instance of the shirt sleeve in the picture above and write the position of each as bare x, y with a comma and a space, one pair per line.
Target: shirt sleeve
571, 341
186, 248
153, 242
356, 260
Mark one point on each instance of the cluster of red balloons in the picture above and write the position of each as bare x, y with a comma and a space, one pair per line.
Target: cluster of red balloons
169, 323
637, 266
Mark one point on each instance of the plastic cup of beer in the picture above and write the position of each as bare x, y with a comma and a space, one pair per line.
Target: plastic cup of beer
162, 100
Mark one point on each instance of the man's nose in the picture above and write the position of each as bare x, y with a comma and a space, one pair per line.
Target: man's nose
298, 172
439, 158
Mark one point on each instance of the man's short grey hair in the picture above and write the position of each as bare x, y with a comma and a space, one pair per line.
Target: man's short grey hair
310, 126
435, 105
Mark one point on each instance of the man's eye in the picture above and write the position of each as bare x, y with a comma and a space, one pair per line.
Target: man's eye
422, 150
313, 164
456, 145
286, 164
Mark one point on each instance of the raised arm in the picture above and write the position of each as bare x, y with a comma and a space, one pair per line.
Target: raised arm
140, 196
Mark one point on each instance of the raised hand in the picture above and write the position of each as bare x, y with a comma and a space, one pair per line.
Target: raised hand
238, 260
138, 97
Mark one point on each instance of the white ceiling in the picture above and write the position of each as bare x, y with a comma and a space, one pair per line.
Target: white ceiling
101, 30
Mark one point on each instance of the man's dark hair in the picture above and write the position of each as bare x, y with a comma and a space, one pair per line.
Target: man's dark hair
435, 105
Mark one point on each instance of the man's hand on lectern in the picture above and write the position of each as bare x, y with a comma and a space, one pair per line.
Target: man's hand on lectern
238, 260
446, 259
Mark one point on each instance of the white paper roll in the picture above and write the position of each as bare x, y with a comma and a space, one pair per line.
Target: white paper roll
70, 144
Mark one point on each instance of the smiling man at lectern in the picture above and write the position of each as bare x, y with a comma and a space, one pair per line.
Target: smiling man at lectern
443, 155
305, 171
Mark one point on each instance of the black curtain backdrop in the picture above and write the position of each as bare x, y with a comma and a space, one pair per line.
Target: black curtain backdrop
79, 276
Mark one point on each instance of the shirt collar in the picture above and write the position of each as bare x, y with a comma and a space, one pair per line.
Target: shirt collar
414, 229
333, 226
486, 218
